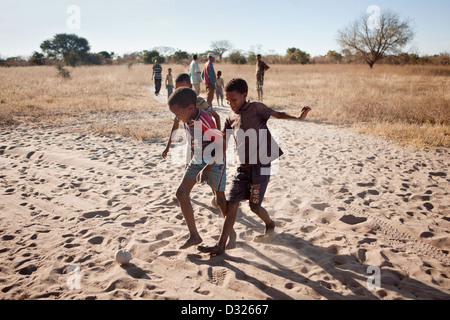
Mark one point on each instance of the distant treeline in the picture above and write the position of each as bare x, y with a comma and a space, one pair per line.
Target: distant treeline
71, 50
235, 57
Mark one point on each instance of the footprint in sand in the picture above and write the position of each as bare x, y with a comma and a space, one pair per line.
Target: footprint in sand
352, 220
320, 206
217, 275
93, 214
96, 240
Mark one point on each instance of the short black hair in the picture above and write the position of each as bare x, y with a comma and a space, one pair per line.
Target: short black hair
184, 77
237, 84
183, 98
195, 57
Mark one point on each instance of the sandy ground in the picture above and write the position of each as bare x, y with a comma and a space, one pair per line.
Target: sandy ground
357, 218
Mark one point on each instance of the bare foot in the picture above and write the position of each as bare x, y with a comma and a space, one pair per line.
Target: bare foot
270, 227
192, 241
232, 240
215, 251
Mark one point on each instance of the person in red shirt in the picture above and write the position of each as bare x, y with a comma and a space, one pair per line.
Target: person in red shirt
209, 76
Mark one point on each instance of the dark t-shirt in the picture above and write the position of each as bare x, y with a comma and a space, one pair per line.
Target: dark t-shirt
254, 142
261, 67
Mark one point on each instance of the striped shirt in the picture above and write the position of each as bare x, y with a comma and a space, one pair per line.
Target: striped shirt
157, 70
202, 104
202, 132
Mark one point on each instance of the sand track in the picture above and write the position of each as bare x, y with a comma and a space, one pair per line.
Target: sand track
343, 203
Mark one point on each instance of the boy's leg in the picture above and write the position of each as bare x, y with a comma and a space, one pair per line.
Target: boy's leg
214, 198
238, 192
157, 86
210, 94
223, 205
217, 182
258, 188
197, 88
217, 95
183, 196
226, 231
264, 215
221, 202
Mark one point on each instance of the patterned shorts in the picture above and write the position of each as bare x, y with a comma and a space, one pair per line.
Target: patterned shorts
250, 184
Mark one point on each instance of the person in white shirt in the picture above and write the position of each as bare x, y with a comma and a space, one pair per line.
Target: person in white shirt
195, 74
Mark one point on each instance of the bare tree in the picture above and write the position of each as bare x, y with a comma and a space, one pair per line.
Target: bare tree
220, 47
372, 36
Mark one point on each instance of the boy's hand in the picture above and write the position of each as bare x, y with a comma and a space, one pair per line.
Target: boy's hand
306, 108
203, 175
164, 154
304, 113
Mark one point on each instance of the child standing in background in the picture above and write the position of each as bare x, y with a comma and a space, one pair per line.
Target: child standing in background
220, 85
169, 83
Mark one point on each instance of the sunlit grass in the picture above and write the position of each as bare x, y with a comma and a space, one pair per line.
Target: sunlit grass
409, 104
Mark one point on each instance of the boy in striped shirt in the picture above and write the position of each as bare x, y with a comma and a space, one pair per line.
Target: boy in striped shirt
208, 162
157, 75
184, 81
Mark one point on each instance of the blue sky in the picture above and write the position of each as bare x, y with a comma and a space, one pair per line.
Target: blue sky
191, 25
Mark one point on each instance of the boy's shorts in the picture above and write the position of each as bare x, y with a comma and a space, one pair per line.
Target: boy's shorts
219, 92
249, 184
259, 81
217, 175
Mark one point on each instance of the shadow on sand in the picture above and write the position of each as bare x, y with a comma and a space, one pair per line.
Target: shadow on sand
346, 269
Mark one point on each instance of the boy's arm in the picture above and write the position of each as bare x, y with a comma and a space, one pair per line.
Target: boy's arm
176, 125
212, 76
203, 175
216, 117
283, 115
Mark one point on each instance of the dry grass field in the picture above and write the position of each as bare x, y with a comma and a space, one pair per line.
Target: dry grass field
409, 105
81, 176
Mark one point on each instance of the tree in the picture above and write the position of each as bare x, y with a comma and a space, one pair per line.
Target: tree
179, 56
334, 57
69, 47
165, 51
106, 57
372, 40
150, 57
220, 47
294, 55
236, 57
37, 59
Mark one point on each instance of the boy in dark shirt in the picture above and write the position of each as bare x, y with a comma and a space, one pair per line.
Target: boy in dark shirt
256, 149
261, 68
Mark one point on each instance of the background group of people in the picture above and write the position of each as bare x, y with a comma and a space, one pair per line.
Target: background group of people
214, 83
